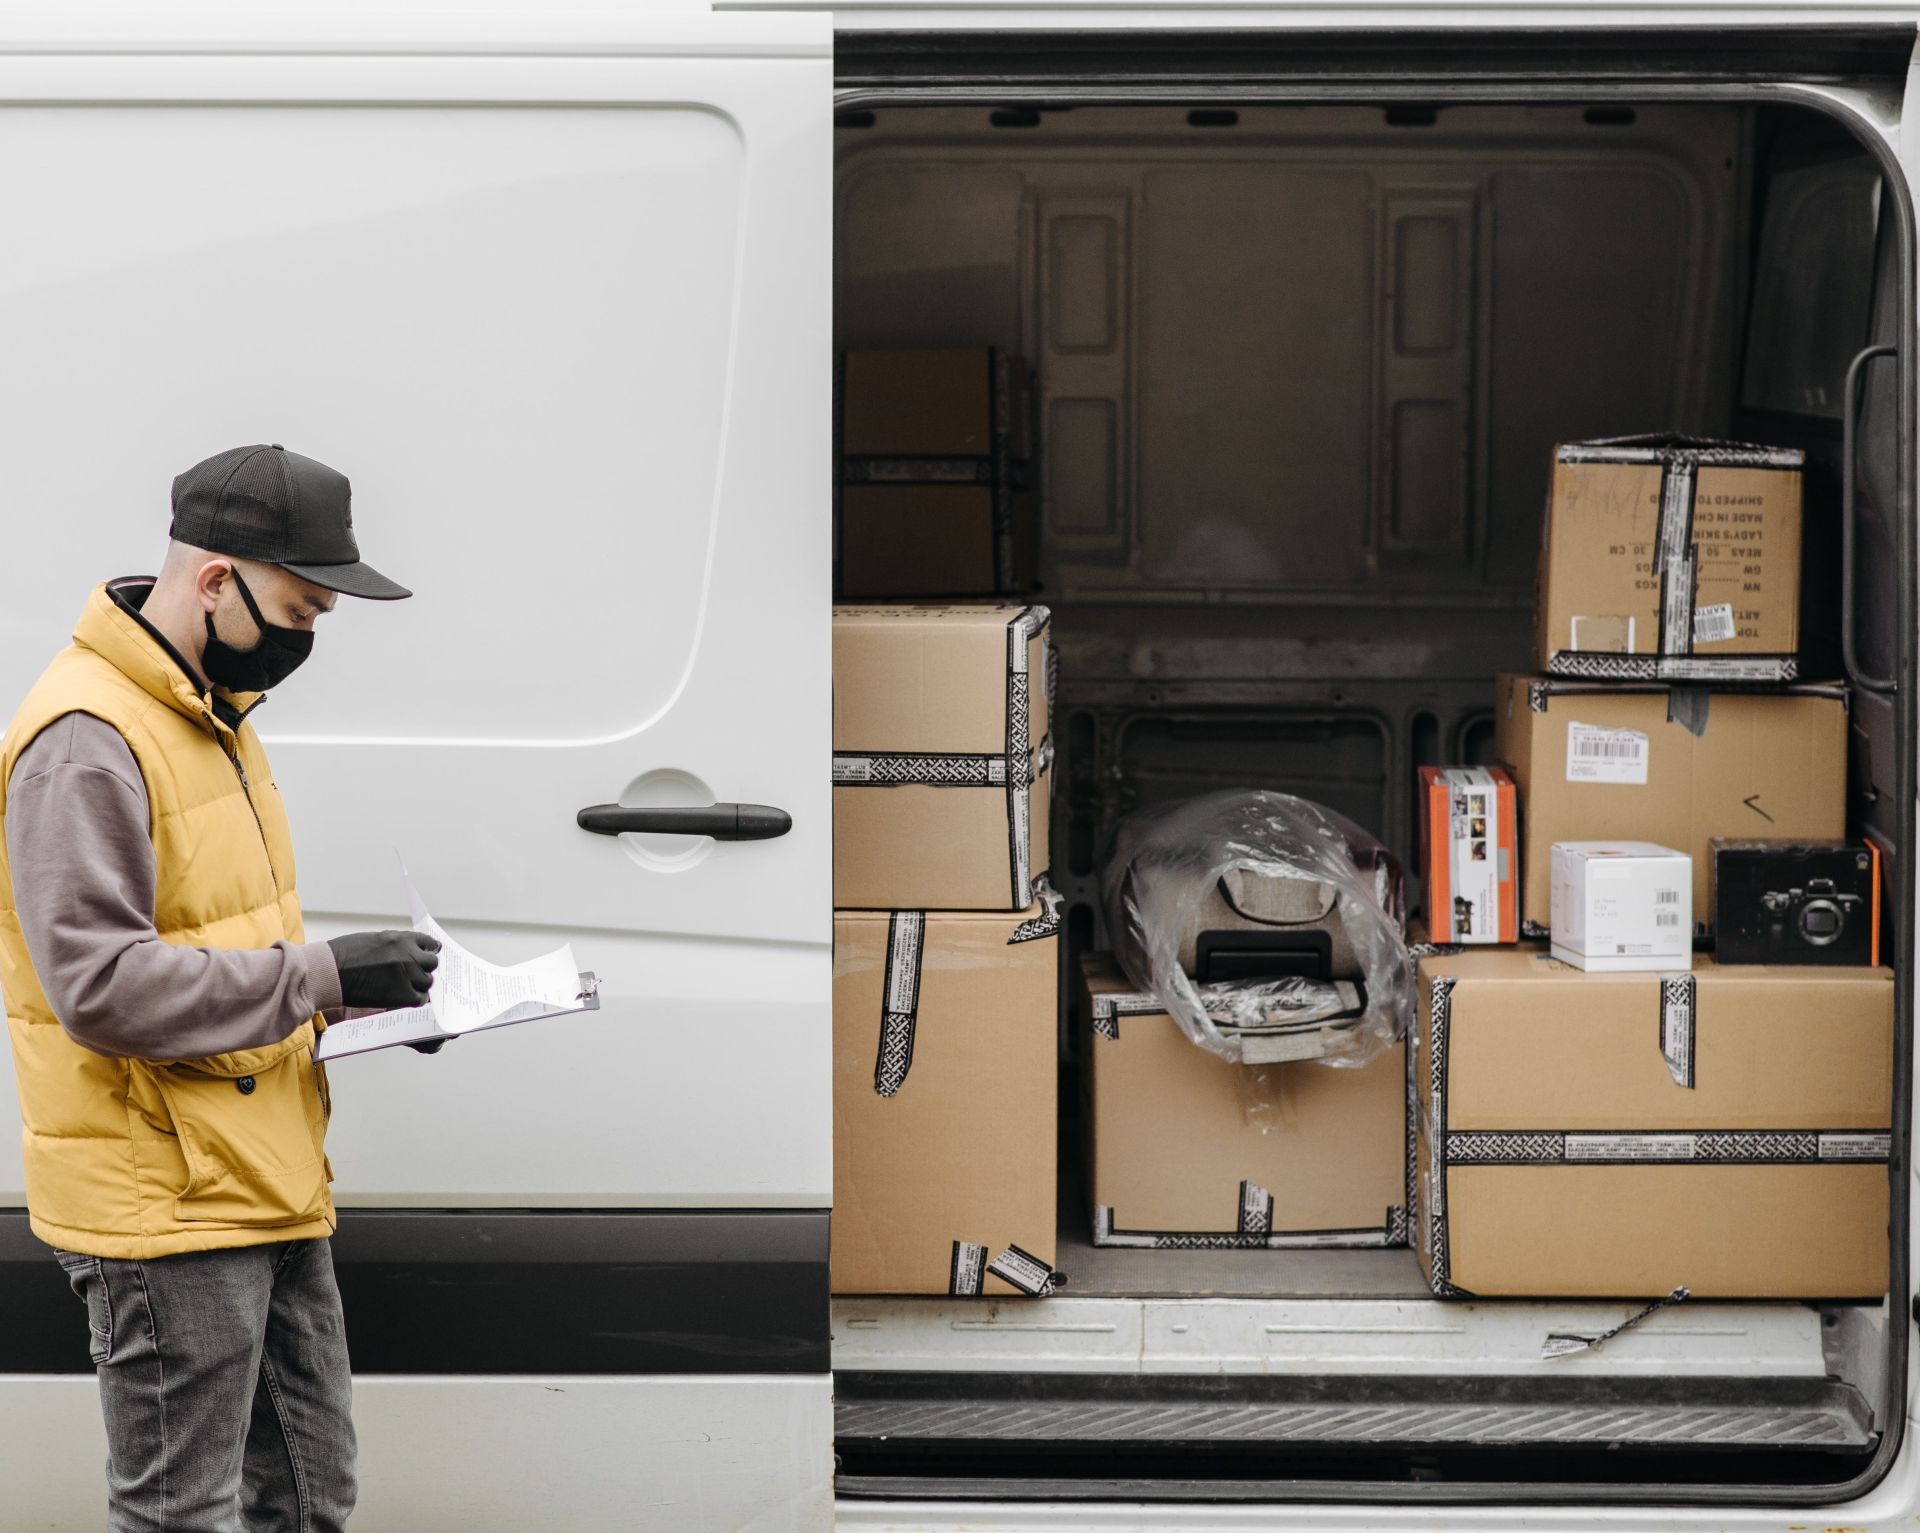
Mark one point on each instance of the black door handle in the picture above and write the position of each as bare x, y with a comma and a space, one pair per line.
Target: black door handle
724, 822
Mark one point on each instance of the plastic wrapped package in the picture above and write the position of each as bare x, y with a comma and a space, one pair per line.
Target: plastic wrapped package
1268, 926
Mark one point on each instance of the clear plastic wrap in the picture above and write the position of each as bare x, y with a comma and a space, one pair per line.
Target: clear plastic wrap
1258, 862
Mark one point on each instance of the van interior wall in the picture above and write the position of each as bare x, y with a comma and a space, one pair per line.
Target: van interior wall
1301, 370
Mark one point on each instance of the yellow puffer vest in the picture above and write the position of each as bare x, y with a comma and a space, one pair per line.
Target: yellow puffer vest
133, 1158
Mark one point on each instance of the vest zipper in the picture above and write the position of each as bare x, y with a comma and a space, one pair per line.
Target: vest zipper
246, 792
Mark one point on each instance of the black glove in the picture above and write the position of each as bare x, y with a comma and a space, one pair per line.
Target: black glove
385, 969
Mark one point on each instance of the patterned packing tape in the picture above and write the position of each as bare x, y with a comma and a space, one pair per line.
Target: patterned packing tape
968, 1269
1256, 1204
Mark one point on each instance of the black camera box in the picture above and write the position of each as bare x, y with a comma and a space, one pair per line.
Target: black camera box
1796, 902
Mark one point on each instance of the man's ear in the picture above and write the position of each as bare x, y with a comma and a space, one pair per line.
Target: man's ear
211, 581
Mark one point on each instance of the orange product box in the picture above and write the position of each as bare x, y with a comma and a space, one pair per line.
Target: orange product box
1468, 854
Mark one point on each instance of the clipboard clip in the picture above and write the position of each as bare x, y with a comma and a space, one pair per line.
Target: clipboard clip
589, 996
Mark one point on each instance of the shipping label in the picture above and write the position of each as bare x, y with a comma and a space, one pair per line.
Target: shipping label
1595, 754
1713, 623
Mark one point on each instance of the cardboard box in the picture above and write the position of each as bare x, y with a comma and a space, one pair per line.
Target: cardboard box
1189, 1151
1671, 558
1622, 906
1621, 1135
1469, 854
933, 491
941, 756
945, 1051
1677, 766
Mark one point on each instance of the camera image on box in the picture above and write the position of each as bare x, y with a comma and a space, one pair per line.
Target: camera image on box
1796, 902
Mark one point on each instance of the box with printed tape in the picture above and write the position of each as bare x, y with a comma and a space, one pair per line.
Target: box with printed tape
942, 755
945, 1069
1725, 1131
1190, 1151
1671, 558
1643, 761
933, 491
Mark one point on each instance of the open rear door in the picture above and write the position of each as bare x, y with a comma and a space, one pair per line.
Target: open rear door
554, 293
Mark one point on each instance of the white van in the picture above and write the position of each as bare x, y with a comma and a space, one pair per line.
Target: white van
560, 288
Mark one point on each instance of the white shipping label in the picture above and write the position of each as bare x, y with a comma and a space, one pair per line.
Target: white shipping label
1713, 623
1629, 1147
1595, 754
1855, 1146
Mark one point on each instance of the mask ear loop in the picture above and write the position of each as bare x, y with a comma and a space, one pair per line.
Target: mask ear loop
253, 610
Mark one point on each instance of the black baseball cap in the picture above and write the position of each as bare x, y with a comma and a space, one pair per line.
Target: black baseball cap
275, 506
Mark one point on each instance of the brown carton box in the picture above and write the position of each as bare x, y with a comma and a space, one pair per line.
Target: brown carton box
1188, 1149
941, 756
1622, 1135
1671, 558
1678, 766
945, 1050
931, 476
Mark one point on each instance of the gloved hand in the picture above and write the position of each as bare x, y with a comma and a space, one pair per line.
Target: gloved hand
385, 968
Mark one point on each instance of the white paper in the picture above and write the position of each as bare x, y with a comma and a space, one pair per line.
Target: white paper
1595, 754
468, 993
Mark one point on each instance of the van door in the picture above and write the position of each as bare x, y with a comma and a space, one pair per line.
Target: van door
554, 293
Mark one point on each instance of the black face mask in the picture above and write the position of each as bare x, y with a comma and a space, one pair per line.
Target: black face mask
272, 660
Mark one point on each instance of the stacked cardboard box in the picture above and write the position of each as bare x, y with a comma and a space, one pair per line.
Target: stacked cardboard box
1725, 1130
1187, 1150
934, 496
945, 982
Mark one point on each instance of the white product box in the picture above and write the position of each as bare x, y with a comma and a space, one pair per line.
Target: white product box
1622, 905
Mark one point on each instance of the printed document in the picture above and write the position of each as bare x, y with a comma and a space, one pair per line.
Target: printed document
469, 994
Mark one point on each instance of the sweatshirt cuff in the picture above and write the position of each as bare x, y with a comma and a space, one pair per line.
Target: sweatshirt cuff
323, 976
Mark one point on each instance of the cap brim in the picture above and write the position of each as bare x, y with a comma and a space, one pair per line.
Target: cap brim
354, 579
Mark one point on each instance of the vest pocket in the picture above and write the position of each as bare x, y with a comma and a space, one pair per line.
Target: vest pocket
252, 1143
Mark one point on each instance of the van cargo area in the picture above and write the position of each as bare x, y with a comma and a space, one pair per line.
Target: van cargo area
1299, 375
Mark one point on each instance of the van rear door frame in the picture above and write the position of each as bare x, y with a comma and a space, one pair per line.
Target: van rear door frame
1856, 75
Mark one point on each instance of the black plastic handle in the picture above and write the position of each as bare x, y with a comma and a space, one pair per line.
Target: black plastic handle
1849, 426
724, 822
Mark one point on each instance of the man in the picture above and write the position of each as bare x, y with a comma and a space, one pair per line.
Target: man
162, 1004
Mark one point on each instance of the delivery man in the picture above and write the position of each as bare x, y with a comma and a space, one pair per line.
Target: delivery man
162, 1004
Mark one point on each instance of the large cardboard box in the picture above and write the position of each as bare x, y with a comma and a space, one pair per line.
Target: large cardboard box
1671, 558
934, 492
942, 757
945, 1051
1189, 1150
1595, 761
1623, 1135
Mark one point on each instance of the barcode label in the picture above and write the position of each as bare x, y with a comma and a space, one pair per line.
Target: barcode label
1666, 896
1713, 623
1666, 918
1595, 754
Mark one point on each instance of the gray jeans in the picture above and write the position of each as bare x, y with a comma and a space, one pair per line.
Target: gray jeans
224, 1381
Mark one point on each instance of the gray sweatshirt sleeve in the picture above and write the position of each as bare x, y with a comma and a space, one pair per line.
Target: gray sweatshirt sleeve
83, 882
